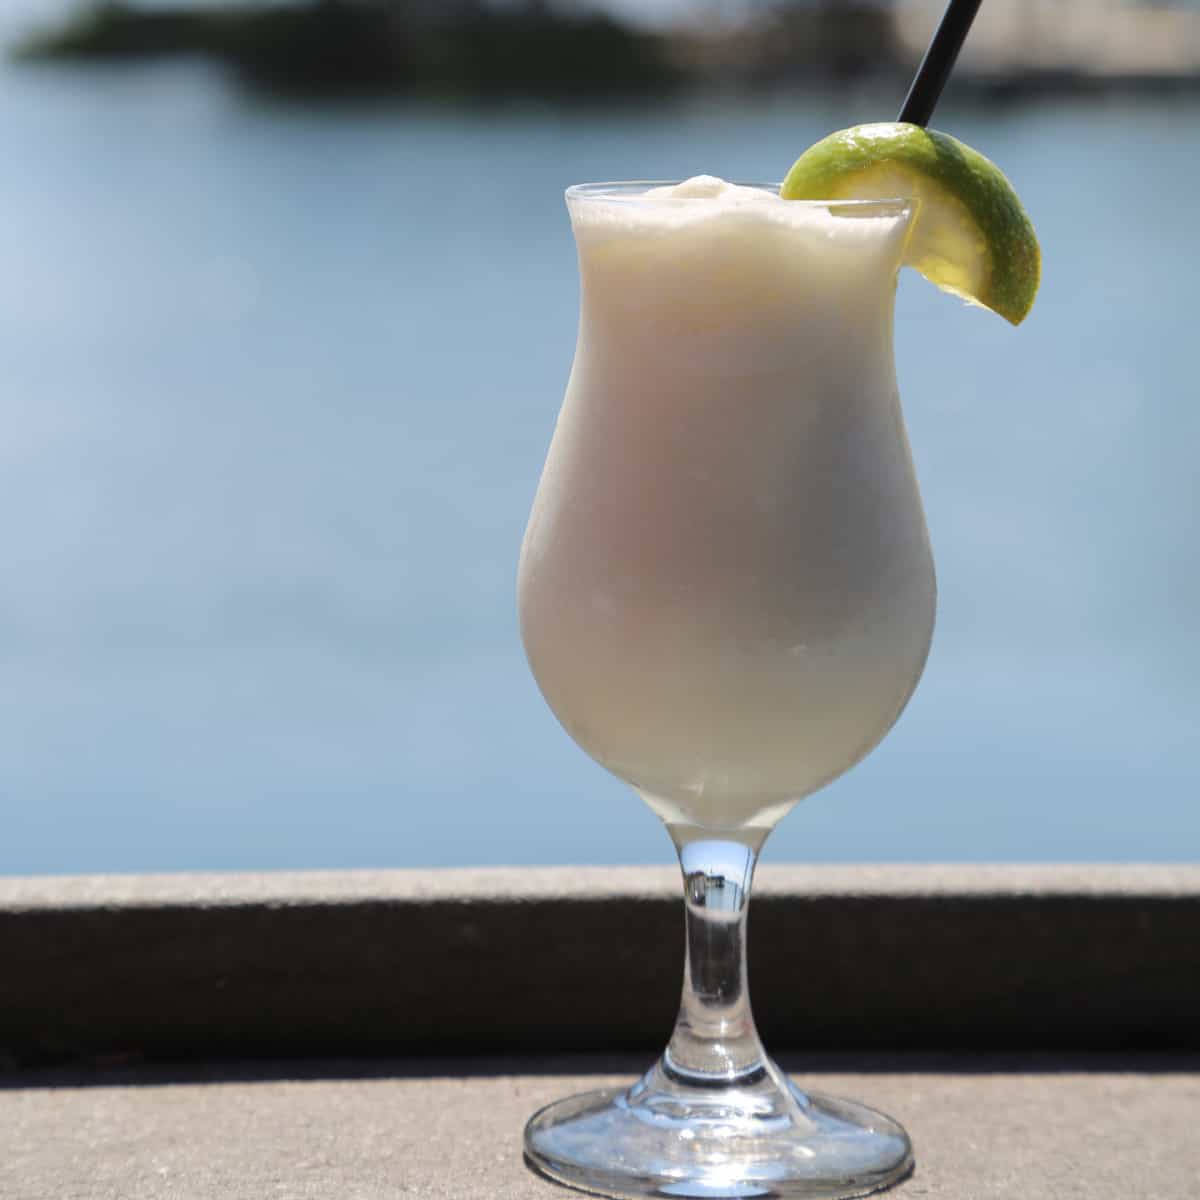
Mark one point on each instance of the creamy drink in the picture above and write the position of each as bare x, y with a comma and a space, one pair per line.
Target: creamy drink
727, 593
726, 588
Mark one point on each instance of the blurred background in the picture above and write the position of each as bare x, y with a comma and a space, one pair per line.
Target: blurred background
287, 305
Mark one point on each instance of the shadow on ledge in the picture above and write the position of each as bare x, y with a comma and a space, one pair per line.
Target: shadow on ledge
107, 1073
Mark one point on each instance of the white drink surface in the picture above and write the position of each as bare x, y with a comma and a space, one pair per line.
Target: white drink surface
726, 587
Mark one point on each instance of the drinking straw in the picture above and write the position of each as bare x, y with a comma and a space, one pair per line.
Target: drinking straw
938, 62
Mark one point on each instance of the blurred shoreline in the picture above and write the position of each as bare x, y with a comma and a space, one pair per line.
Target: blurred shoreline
464, 48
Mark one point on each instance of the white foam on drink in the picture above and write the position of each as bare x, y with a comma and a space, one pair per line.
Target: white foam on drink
710, 187
707, 200
713, 255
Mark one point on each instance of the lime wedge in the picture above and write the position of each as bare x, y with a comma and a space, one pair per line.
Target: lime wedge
971, 235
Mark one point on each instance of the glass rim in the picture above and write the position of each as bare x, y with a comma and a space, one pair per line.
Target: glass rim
630, 191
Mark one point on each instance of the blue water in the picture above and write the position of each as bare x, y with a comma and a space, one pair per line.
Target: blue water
275, 389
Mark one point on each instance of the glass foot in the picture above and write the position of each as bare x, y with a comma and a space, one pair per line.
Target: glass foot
759, 1136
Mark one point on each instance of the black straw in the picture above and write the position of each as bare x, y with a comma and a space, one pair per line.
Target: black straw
938, 62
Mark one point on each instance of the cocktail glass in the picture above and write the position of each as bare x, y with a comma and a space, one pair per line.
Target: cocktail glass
726, 596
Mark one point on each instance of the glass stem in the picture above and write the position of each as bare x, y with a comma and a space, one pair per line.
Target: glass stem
715, 1042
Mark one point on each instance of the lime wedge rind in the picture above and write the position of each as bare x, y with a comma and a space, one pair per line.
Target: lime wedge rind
971, 236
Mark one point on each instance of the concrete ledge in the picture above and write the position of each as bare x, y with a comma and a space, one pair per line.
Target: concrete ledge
1014, 1127
589, 958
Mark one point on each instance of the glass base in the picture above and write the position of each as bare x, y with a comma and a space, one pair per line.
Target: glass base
760, 1136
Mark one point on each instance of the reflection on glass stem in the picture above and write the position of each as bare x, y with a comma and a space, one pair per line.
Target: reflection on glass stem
715, 1041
